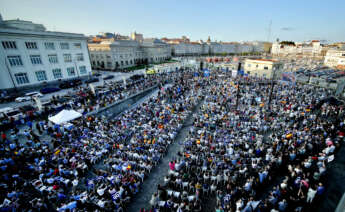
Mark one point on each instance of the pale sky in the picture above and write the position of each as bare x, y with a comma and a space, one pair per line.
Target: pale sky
224, 20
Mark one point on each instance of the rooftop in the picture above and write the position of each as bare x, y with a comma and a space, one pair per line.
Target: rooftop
260, 59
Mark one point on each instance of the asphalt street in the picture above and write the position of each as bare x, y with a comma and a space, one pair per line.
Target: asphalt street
117, 76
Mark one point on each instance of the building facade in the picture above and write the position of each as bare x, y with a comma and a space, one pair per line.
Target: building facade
335, 59
263, 68
309, 49
30, 55
184, 47
121, 54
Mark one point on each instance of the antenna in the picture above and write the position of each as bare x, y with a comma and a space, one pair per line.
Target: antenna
269, 31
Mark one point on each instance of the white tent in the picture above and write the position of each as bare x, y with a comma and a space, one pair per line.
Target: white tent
65, 116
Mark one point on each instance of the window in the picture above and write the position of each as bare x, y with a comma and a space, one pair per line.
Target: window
82, 69
53, 58
21, 78
108, 56
126, 62
41, 75
64, 45
77, 45
67, 58
248, 65
266, 68
343, 55
49, 45
80, 57
9, 44
109, 64
122, 63
57, 73
70, 71
35, 59
31, 45
15, 60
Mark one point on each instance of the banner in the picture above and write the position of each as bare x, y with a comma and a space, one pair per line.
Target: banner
289, 77
206, 73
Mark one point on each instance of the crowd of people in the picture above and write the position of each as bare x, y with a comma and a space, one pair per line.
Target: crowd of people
254, 157
241, 154
98, 164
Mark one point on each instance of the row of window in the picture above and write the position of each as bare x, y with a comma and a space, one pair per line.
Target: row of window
22, 78
130, 62
257, 66
36, 59
33, 45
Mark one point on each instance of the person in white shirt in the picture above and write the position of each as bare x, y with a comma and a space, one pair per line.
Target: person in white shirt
311, 195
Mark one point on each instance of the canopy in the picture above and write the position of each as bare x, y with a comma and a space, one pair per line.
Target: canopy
65, 116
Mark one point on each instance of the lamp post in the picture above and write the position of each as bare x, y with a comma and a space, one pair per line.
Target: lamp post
9, 72
272, 86
76, 68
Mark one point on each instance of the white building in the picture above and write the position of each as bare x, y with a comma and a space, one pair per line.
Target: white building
187, 48
312, 49
263, 68
30, 55
335, 58
127, 53
184, 47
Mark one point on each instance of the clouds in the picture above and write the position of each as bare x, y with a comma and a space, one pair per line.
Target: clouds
287, 28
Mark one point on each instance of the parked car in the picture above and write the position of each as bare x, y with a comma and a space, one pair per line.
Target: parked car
70, 83
4, 111
28, 96
14, 113
49, 90
97, 74
330, 80
108, 77
10, 97
92, 80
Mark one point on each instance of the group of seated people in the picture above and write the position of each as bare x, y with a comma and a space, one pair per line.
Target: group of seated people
98, 163
244, 155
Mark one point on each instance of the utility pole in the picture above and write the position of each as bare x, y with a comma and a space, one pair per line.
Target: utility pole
238, 92
238, 84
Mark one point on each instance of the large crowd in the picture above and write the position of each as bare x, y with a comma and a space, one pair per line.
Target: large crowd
98, 164
251, 156
241, 154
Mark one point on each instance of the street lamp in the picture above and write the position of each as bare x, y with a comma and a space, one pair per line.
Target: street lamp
272, 86
9, 72
76, 67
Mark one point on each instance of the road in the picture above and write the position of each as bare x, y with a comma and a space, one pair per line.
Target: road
117, 76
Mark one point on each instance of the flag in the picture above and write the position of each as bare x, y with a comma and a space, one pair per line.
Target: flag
115, 196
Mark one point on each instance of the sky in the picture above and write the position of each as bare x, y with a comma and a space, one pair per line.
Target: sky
222, 20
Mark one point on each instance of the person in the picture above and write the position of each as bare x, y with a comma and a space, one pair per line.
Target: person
311, 194
154, 200
172, 165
